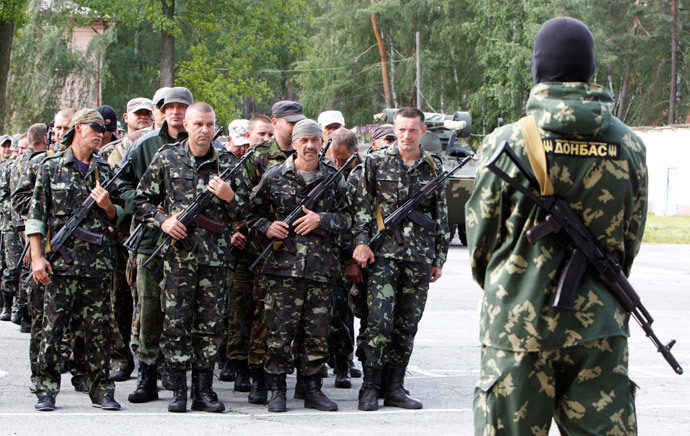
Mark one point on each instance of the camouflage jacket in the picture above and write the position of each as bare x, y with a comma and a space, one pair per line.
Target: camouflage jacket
116, 150
597, 164
5, 192
265, 156
142, 153
386, 180
173, 179
60, 189
24, 190
278, 193
18, 170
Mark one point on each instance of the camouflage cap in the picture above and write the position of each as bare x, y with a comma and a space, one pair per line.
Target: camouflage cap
15, 142
381, 131
4, 139
238, 132
139, 103
84, 116
306, 127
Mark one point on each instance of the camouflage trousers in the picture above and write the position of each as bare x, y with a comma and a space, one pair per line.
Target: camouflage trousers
150, 312
35, 294
12, 246
357, 300
258, 334
83, 304
340, 340
396, 296
194, 308
240, 310
585, 388
121, 319
297, 309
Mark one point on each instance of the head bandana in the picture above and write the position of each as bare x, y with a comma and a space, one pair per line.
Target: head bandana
84, 116
306, 127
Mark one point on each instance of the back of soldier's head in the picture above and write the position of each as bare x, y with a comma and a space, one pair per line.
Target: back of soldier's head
36, 134
563, 52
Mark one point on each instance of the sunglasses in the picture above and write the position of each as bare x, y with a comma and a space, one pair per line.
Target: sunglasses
390, 138
97, 127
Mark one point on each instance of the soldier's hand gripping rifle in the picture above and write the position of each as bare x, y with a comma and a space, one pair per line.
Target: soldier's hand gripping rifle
72, 227
308, 202
409, 209
584, 252
193, 212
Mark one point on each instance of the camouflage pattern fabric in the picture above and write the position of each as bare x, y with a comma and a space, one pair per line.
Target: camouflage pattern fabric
597, 164
148, 317
5, 191
35, 294
297, 309
585, 388
397, 292
279, 192
258, 334
387, 180
121, 312
76, 302
60, 189
12, 246
266, 155
194, 307
240, 309
342, 323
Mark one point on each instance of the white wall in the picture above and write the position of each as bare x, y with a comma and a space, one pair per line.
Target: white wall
668, 162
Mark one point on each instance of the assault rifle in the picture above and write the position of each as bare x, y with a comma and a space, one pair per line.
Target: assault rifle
192, 214
308, 202
408, 210
72, 227
584, 251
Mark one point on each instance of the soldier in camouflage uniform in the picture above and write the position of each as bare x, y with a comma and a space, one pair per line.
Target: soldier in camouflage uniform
147, 328
9, 240
77, 292
269, 153
400, 273
539, 361
298, 300
195, 269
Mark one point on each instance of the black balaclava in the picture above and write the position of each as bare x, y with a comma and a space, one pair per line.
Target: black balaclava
563, 52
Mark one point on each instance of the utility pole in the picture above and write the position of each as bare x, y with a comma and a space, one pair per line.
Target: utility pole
418, 81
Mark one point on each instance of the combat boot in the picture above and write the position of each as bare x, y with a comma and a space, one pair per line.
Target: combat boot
228, 373
107, 402
314, 398
203, 397
278, 402
45, 403
179, 401
368, 393
16, 317
259, 390
395, 393
242, 381
299, 386
342, 373
354, 371
146, 385
25, 326
7, 299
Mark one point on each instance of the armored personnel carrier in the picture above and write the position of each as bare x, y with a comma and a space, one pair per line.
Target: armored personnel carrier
440, 128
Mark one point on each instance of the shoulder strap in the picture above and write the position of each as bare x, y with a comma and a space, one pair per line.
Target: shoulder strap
536, 153
431, 162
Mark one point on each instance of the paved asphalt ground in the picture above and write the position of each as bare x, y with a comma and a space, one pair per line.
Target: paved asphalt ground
442, 373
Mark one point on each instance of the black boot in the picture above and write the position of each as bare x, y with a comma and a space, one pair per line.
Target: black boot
228, 373
278, 402
299, 387
384, 383
16, 316
368, 394
354, 371
395, 393
6, 314
146, 385
314, 398
342, 373
179, 401
242, 381
203, 397
165, 376
259, 390
25, 326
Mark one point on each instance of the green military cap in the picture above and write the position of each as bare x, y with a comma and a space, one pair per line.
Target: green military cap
84, 116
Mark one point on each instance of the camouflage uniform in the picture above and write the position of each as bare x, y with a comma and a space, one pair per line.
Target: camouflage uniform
597, 164
266, 155
398, 280
12, 241
148, 297
298, 300
196, 268
78, 294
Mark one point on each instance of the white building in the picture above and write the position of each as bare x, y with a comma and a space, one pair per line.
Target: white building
668, 161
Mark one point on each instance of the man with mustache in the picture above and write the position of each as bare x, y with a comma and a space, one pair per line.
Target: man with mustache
298, 274
75, 288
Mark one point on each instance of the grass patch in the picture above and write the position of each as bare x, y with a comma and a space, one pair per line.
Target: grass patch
667, 229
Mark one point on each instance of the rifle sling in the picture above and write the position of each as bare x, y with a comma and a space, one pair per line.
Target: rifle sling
536, 153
